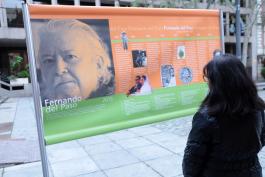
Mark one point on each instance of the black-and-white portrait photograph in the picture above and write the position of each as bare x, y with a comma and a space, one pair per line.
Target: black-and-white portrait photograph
139, 58
168, 76
73, 58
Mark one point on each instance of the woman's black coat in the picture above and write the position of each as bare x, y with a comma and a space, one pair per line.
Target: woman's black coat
224, 147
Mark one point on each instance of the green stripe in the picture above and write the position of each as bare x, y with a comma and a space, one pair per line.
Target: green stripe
107, 114
198, 38
107, 128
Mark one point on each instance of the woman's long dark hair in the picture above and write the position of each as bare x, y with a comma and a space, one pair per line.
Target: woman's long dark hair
231, 90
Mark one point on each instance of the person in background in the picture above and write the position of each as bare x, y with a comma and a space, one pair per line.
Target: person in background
146, 87
217, 53
124, 39
228, 129
172, 80
136, 87
139, 59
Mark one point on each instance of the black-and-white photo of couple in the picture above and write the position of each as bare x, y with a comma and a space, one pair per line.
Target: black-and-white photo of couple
142, 86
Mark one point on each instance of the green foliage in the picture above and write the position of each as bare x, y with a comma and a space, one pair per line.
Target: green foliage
16, 68
168, 4
263, 62
15, 63
186, 4
192, 4
140, 3
23, 74
11, 77
263, 72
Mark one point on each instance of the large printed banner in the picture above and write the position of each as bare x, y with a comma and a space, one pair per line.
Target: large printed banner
104, 69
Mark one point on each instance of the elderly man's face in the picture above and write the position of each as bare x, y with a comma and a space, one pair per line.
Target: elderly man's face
67, 64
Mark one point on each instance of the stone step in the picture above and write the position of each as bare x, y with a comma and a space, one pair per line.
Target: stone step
6, 127
260, 86
3, 99
26, 92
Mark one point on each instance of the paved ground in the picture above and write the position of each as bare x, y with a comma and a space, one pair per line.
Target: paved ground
149, 151
18, 133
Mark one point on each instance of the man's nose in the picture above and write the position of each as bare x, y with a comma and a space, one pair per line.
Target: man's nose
61, 66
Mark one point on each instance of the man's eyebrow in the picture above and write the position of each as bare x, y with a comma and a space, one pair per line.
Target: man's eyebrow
46, 55
68, 50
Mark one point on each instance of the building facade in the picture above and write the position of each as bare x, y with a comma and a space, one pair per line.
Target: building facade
229, 27
261, 37
12, 34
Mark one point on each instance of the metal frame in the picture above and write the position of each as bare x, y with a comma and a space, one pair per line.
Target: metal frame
238, 31
35, 85
222, 31
36, 91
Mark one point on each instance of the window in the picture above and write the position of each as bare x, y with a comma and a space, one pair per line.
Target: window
243, 3
63, 2
42, 1
243, 24
14, 18
224, 24
232, 24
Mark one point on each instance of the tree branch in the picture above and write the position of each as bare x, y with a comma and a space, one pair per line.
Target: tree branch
209, 2
255, 14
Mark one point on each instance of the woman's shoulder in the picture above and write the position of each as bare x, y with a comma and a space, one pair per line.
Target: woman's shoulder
203, 119
203, 125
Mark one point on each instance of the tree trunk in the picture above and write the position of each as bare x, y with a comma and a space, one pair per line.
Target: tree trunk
245, 46
249, 25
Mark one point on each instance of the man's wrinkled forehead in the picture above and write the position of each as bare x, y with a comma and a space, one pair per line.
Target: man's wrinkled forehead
68, 39
68, 34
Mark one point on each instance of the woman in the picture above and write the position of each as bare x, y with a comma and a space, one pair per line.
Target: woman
146, 87
228, 130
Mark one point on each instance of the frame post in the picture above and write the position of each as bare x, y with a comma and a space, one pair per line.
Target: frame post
238, 31
36, 91
222, 31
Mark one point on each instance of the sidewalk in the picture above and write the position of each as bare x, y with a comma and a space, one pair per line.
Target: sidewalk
18, 133
154, 150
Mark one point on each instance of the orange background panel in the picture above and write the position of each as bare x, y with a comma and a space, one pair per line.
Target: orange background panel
143, 24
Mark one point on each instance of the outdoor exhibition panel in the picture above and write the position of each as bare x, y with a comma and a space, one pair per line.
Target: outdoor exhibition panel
102, 69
